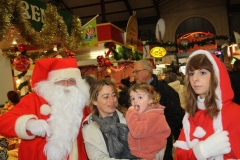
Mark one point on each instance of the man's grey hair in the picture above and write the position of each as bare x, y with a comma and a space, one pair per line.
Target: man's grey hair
146, 64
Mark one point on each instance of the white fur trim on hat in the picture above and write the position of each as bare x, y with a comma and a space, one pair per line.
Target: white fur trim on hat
45, 109
199, 132
64, 73
20, 126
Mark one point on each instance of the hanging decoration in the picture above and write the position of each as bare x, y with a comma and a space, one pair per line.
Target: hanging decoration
22, 48
185, 45
116, 69
21, 63
100, 60
70, 54
54, 26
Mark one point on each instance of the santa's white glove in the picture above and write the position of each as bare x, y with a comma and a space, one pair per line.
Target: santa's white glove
216, 144
38, 127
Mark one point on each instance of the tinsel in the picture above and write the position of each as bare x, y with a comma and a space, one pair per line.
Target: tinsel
54, 29
5, 17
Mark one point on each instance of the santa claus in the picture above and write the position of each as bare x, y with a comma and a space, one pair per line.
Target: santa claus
48, 119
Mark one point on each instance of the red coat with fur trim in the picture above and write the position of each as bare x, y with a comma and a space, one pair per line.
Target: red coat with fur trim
227, 120
148, 131
31, 147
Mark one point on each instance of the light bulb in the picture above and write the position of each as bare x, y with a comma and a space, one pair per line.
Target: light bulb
14, 41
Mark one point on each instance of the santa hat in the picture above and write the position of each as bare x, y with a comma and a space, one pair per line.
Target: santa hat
55, 68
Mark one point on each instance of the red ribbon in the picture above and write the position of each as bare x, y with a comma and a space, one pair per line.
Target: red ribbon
111, 47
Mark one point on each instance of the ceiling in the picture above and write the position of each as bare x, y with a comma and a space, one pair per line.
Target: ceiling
115, 11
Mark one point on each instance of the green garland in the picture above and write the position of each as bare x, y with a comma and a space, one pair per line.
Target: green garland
23, 84
124, 53
22, 74
11, 13
190, 44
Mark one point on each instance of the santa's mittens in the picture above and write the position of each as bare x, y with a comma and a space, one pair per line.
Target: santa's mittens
215, 145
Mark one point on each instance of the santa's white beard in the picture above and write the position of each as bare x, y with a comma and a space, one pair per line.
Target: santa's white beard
66, 115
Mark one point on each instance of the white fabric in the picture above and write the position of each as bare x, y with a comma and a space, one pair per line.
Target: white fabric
216, 144
38, 127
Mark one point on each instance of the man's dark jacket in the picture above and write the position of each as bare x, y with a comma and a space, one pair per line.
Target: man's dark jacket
235, 82
170, 99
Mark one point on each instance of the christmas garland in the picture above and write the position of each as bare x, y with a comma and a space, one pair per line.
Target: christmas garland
122, 52
12, 13
186, 46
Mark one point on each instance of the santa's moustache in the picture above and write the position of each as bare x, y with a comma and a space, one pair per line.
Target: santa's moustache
66, 104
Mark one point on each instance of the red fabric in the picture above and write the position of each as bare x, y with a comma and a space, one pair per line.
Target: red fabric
230, 113
32, 149
148, 131
28, 149
81, 147
43, 67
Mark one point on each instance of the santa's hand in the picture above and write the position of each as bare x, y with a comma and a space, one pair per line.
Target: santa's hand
38, 127
216, 144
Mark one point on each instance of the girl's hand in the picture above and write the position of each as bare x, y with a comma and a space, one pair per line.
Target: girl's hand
131, 107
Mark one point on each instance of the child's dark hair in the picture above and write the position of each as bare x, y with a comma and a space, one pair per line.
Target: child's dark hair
147, 88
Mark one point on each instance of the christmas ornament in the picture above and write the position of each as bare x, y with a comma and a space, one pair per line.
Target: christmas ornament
21, 63
21, 48
107, 62
70, 54
108, 71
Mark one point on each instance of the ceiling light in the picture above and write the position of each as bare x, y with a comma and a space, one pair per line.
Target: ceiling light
55, 48
14, 41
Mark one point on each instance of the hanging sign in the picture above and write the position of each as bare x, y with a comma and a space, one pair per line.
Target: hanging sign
35, 11
132, 32
160, 29
158, 52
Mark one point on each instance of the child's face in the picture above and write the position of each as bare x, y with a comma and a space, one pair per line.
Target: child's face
200, 81
140, 100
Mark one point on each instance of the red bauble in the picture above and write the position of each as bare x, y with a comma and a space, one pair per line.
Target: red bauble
101, 62
99, 58
21, 63
107, 62
21, 48
70, 54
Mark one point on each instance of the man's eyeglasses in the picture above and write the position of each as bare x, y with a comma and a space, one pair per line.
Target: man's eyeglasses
136, 71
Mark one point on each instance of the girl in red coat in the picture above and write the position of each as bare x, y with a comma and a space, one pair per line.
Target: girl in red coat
211, 123
147, 124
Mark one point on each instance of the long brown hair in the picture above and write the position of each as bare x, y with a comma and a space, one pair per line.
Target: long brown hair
197, 62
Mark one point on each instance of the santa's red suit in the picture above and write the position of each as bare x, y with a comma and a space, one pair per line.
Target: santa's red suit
63, 120
201, 126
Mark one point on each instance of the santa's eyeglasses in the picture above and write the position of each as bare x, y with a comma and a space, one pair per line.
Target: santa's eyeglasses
65, 82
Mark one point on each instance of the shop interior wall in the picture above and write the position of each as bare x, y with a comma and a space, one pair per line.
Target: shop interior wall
6, 80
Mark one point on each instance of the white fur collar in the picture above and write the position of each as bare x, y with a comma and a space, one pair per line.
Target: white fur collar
200, 103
